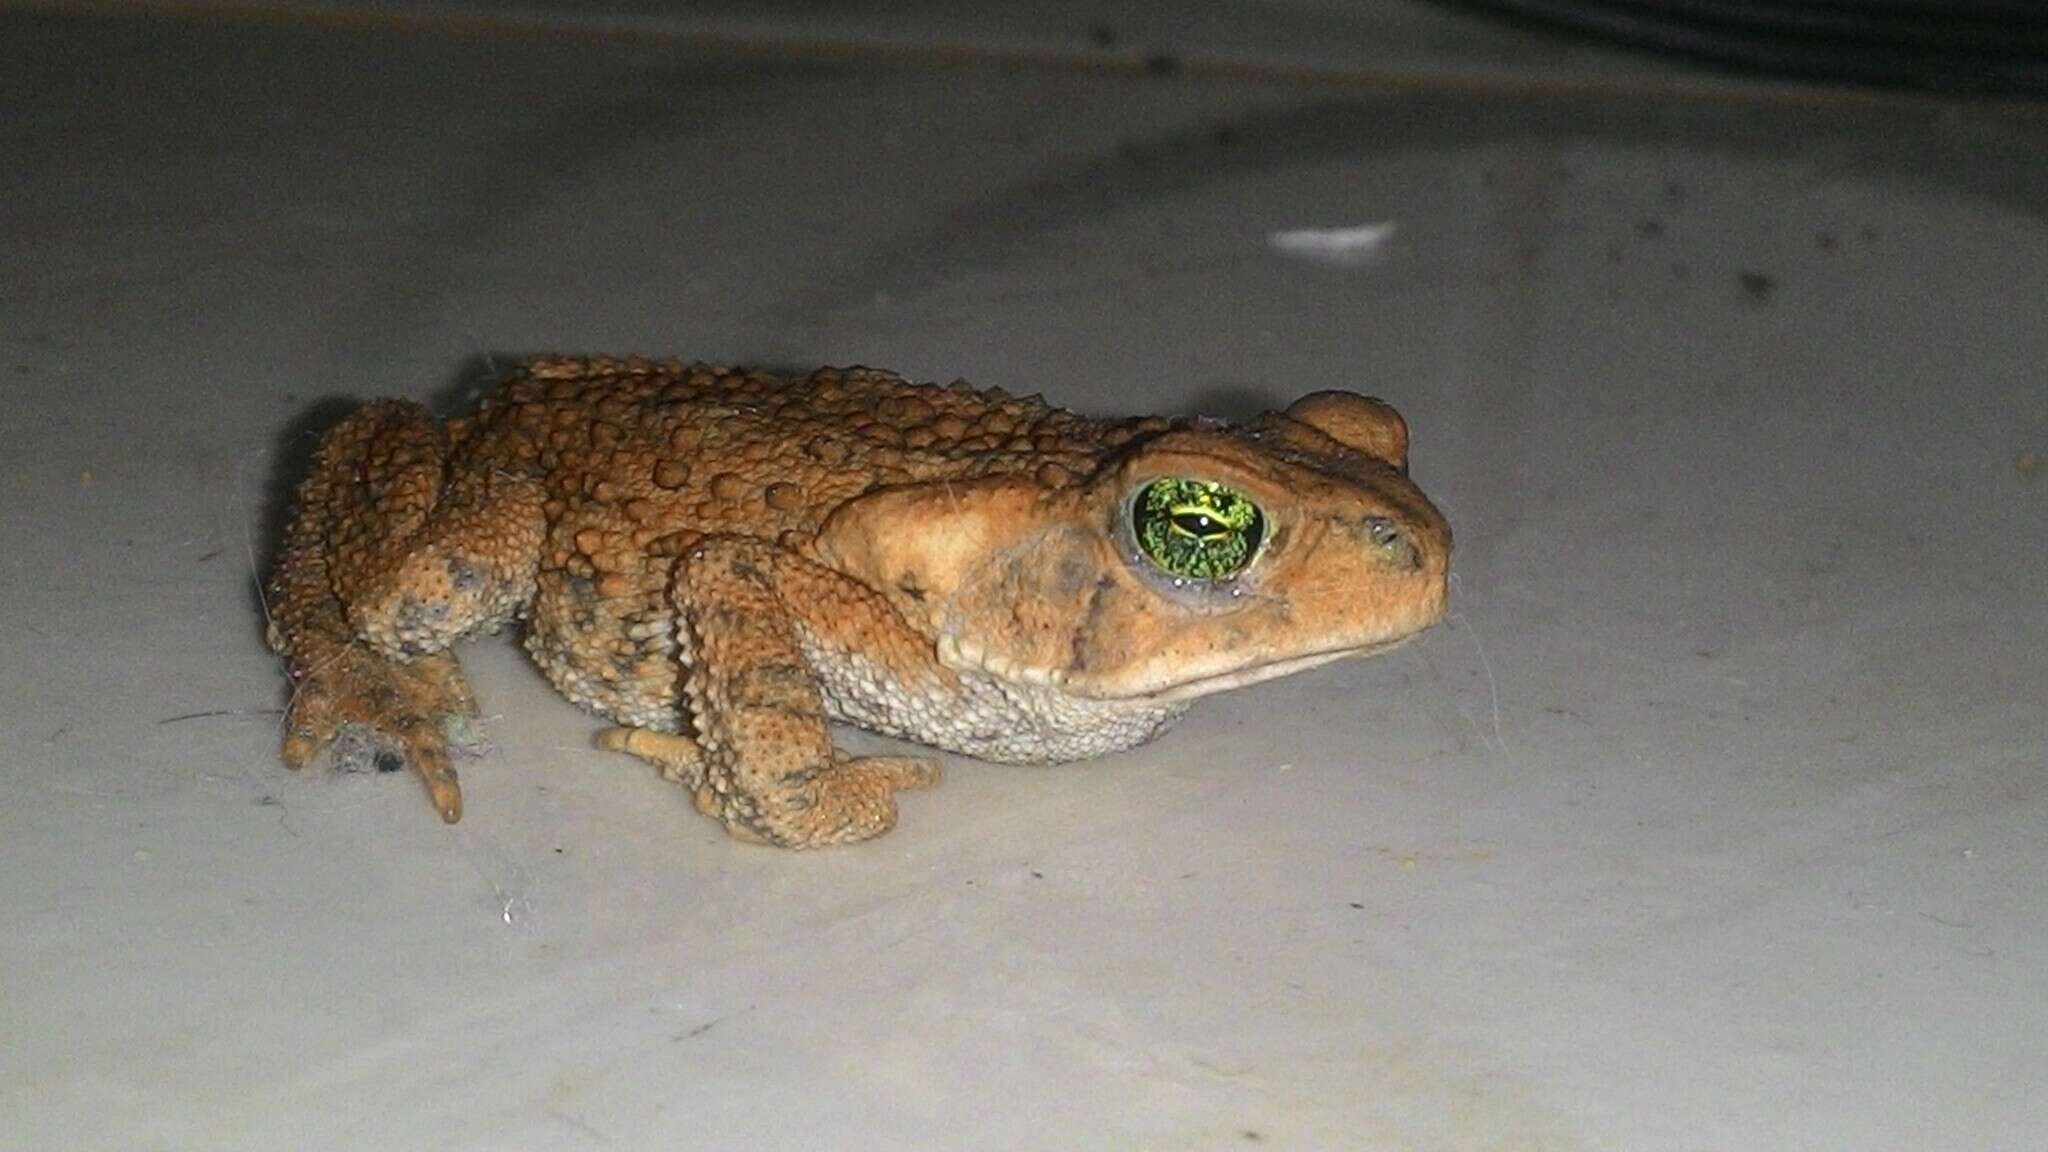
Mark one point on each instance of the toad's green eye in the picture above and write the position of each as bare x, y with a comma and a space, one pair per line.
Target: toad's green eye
1196, 529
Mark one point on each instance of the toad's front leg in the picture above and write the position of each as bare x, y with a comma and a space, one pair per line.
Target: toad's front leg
763, 761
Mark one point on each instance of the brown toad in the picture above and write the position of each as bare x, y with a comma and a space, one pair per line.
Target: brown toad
722, 561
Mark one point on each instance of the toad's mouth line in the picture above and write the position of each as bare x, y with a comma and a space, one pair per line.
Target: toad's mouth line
969, 656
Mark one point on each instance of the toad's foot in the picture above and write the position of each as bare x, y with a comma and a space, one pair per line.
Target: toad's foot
679, 757
373, 714
849, 799
855, 788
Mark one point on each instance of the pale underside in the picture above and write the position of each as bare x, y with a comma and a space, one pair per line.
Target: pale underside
1008, 715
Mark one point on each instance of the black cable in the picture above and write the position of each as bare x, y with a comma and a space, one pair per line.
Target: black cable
1986, 47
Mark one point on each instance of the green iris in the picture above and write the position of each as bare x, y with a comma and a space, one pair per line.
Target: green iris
1196, 529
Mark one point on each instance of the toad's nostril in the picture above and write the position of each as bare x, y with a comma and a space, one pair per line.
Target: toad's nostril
1394, 546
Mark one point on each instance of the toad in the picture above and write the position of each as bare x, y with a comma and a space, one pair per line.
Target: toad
723, 562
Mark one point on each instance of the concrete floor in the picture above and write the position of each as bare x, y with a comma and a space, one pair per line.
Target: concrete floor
1717, 818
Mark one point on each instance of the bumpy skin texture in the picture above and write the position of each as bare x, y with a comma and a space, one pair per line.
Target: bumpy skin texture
722, 562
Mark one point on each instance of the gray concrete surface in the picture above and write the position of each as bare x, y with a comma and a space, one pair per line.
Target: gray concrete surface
1717, 818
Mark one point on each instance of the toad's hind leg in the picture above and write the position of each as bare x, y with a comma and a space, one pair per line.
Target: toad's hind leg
392, 555
763, 761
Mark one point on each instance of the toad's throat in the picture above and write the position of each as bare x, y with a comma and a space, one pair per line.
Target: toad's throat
967, 655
